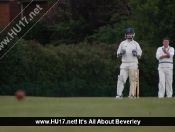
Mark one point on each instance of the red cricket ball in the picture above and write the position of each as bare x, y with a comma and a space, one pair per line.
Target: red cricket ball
20, 94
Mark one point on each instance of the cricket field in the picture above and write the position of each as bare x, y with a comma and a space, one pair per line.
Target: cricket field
86, 107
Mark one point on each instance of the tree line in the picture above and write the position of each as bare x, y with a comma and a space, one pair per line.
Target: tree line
78, 41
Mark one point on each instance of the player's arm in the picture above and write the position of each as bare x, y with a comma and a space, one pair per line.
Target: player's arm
164, 56
159, 56
120, 51
139, 50
171, 52
167, 54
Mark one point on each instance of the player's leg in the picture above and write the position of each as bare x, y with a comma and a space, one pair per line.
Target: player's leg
161, 91
169, 81
121, 81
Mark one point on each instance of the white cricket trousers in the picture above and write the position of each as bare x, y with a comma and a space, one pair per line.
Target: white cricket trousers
165, 82
124, 73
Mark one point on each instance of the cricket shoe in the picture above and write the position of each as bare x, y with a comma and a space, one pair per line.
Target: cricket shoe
118, 97
131, 97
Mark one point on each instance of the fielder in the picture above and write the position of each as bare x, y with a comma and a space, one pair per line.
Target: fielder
165, 68
130, 51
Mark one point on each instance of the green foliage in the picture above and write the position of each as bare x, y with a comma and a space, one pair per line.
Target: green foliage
59, 64
38, 32
153, 20
6, 42
111, 34
43, 64
89, 64
72, 70
148, 64
75, 21
71, 32
29, 62
83, 69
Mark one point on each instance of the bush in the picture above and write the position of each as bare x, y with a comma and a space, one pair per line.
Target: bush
111, 34
40, 32
72, 70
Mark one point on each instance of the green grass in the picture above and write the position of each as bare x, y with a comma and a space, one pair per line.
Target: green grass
86, 107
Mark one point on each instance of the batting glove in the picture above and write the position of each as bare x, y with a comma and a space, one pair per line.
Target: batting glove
134, 52
122, 52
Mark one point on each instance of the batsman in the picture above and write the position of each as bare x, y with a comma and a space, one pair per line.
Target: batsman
129, 51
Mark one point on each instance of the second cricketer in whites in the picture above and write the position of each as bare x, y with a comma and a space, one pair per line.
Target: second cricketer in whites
130, 51
165, 56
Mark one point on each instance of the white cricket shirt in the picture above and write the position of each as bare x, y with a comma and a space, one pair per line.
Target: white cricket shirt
129, 46
165, 62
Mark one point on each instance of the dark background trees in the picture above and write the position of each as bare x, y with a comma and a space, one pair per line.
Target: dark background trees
72, 51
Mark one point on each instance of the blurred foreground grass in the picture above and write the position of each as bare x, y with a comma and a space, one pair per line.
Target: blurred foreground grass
86, 107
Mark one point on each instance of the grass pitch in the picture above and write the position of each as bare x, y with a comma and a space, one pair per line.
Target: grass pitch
86, 107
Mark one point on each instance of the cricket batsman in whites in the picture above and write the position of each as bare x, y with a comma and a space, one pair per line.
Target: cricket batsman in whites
130, 51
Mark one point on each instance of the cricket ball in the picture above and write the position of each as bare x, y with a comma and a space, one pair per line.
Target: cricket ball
20, 94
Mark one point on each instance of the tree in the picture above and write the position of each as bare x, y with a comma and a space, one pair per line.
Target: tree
72, 21
153, 20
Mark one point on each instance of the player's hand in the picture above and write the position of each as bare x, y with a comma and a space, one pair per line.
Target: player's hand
164, 49
134, 52
168, 54
122, 52
138, 56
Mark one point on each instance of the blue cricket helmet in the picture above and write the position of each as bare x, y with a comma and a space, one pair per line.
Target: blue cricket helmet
129, 31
